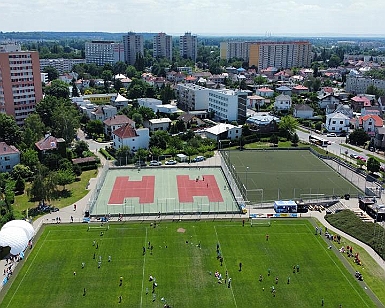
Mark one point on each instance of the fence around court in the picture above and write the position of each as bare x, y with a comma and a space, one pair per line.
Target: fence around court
373, 187
98, 186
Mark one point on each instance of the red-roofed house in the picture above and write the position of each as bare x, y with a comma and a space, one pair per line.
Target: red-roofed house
368, 123
191, 79
359, 102
300, 89
9, 157
127, 135
264, 92
50, 144
115, 122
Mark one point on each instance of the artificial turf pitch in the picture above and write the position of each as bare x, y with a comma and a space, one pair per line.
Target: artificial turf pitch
182, 269
287, 175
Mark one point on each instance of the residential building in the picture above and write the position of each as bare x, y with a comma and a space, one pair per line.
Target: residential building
192, 118
379, 137
103, 112
282, 102
51, 144
337, 122
157, 124
157, 106
303, 111
192, 97
127, 135
264, 54
113, 123
284, 90
359, 84
344, 109
264, 92
9, 157
162, 46
224, 131
328, 99
104, 52
300, 89
188, 46
119, 101
133, 46
360, 101
44, 77
263, 123
20, 82
255, 102
369, 123
228, 105
61, 65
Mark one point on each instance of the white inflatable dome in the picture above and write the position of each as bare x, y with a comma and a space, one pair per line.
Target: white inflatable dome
15, 238
22, 224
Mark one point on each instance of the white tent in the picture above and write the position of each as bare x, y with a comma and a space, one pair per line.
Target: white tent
16, 234
15, 238
26, 226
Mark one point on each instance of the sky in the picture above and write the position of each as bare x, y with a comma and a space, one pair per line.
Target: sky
225, 17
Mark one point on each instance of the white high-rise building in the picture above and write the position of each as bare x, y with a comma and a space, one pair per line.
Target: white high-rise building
162, 46
104, 52
188, 46
133, 45
281, 55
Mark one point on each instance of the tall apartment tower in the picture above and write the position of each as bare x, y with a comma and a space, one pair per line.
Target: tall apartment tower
133, 45
20, 82
188, 46
162, 46
104, 52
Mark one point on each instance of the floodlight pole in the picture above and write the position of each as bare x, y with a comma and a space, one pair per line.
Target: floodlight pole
247, 171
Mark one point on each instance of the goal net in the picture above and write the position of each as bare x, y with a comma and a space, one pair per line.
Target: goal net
99, 227
260, 222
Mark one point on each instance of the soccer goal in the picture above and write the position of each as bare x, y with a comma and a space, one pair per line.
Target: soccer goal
98, 227
260, 222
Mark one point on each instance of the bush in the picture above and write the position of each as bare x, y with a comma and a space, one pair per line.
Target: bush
107, 155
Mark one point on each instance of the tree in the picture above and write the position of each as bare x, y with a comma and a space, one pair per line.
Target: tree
295, 139
123, 153
94, 127
52, 72
159, 139
260, 80
80, 147
30, 159
288, 125
190, 151
10, 132
166, 94
138, 119
155, 152
274, 139
65, 177
58, 89
34, 130
142, 154
373, 165
65, 122
358, 137
21, 171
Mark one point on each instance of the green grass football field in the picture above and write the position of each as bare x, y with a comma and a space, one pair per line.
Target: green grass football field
287, 175
182, 268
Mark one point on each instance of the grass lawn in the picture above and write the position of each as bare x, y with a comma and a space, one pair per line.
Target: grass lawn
184, 272
75, 191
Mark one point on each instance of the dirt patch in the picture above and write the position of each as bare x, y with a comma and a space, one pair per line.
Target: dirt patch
181, 230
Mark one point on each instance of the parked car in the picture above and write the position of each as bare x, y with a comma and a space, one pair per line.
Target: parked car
141, 163
170, 162
198, 158
155, 163
355, 156
331, 135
